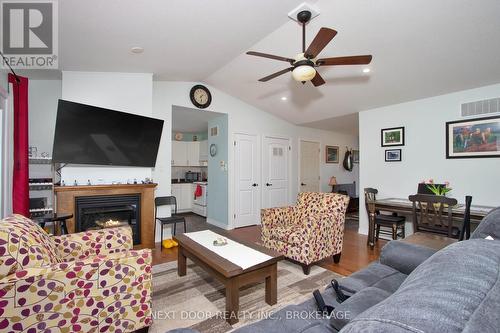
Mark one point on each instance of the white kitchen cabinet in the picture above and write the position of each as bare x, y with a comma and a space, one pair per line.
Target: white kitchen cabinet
204, 150
184, 195
179, 153
177, 193
193, 153
187, 197
185, 153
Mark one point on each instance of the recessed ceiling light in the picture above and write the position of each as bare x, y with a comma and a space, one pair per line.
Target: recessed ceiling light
283, 98
366, 70
137, 49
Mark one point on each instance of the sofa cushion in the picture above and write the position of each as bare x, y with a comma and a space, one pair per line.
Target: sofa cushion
374, 275
404, 256
489, 226
455, 290
356, 304
23, 244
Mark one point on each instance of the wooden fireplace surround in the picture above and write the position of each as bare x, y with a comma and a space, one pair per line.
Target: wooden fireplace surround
65, 203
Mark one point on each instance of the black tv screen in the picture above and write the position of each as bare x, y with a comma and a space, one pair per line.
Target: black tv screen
88, 134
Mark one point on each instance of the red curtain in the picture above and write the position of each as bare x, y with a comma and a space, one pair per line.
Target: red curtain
20, 186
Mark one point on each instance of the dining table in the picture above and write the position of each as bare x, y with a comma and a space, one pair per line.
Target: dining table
405, 207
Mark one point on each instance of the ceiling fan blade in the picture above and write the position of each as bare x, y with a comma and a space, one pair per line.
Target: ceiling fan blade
270, 56
317, 80
324, 36
272, 76
351, 60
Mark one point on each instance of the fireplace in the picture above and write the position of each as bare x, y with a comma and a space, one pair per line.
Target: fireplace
122, 208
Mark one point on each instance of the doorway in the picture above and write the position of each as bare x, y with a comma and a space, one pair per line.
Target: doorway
199, 164
247, 174
309, 177
275, 172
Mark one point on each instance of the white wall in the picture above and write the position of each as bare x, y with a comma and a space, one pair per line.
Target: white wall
424, 154
247, 119
137, 93
43, 96
127, 92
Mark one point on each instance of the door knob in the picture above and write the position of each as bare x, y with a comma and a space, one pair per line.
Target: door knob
302, 184
255, 184
267, 184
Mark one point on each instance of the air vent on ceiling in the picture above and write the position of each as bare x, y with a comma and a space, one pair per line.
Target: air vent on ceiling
484, 107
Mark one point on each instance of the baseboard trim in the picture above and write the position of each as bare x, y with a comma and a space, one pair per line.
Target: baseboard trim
218, 223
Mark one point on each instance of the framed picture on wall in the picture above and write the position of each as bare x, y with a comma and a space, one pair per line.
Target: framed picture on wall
391, 137
332, 154
355, 156
393, 155
473, 138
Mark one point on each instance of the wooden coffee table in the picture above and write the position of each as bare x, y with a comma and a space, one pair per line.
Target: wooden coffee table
231, 275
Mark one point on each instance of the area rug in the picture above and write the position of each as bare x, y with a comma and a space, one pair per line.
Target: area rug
198, 301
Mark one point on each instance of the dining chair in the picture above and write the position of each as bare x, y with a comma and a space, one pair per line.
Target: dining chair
174, 219
394, 222
433, 214
465, 230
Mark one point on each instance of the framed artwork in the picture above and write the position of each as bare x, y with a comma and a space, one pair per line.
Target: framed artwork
473, 138
393, 155
391, 137
355, 156
332, 154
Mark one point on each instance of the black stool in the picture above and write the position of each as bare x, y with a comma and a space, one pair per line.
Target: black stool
55, 219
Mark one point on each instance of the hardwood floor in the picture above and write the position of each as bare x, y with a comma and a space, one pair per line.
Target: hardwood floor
355, 253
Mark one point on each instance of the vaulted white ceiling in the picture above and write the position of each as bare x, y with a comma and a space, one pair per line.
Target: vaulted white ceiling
420, 48
184, 40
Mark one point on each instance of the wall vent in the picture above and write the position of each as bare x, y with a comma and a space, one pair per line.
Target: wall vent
485, 107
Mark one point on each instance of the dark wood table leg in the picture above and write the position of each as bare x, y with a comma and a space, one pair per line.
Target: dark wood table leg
232, 300
181, 262
272, 285
371, 225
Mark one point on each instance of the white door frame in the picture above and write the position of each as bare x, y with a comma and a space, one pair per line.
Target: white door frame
298, 162
289, 152
235, 181
6, 164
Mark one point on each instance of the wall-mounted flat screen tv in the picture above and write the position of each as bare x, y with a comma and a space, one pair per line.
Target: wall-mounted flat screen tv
88, 134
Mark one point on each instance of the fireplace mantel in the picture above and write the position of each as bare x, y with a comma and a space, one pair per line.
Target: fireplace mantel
65, 203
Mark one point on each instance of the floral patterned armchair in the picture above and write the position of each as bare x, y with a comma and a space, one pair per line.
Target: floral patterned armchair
308, 232
84, 282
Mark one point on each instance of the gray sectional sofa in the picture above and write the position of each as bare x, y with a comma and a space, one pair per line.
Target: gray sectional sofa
411, 289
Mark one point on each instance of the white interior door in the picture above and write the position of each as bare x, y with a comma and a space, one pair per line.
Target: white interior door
275, 176
309, 166
247, 177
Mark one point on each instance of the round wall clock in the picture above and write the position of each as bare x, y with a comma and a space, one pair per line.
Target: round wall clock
213, 150
200, 96
178, 136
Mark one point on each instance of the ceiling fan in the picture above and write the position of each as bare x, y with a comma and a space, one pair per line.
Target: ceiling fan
303, 67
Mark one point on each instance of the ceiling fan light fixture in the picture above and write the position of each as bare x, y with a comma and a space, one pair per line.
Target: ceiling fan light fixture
303, 73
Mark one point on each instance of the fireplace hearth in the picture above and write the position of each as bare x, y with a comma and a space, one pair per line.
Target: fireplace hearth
102, 208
